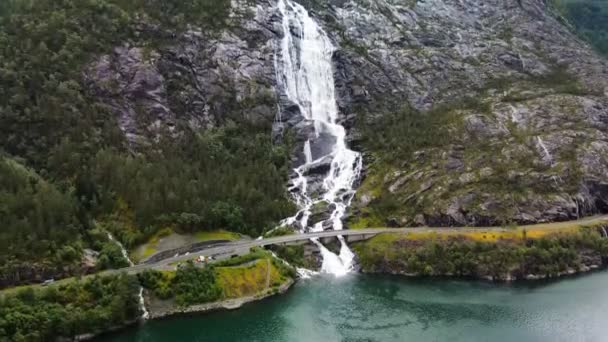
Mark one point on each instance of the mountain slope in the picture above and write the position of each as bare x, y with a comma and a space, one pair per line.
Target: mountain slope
471, 112
142, 115
145, 115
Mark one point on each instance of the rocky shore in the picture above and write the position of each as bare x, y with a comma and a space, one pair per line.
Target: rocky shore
506, 278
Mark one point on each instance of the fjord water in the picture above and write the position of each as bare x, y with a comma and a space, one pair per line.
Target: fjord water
371, 308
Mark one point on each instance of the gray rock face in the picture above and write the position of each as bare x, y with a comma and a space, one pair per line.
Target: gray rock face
199, 81
433, 51
539, 133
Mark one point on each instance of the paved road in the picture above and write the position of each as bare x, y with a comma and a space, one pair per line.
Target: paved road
242, 247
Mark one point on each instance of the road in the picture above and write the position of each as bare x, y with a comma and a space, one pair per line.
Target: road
242, 247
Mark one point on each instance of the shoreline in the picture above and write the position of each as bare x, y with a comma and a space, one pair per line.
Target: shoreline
510, 279
228, 304
237, 303
589, 261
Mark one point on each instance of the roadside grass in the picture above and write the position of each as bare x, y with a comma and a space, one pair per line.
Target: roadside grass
492, 234
154, 243
143, 251
488, 235
365, 222
216, 235
249, 279
281, 231
60, 282
255, 253
251, 274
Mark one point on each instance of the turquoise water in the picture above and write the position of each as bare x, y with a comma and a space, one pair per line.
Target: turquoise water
371, 308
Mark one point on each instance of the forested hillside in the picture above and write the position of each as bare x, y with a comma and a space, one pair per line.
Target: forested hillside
67, 172
132, 116
590, 20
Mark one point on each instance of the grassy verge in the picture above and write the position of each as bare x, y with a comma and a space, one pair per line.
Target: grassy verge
216, 235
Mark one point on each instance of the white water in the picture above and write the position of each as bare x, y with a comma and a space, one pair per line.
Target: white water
548, 157
514, 115
125, 254
142, 304
306, 75
604, 230
542, 145
122, 248
303, 273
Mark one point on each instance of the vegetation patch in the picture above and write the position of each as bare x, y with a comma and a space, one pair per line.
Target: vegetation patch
280, 231
589, 19
192, 284
249, 279
189, 285
216, 235
465, 158
68, 309
75, 167
295, 256
497, 257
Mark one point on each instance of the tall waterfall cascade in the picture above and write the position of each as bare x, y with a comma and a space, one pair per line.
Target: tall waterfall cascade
305, 72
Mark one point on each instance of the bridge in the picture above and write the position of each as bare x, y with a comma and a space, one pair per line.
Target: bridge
227, 250
243, 247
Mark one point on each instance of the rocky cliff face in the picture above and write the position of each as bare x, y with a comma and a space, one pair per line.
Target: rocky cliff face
195, 79
527, 101
530, 146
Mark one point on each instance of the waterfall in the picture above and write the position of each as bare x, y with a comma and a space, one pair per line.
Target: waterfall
557, 179
142, 304
542, 145
306, 76
604, 231
122, 248
514, 114
125, 254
